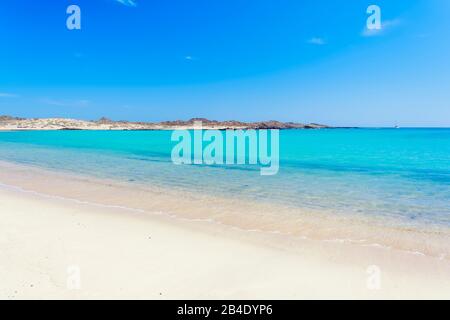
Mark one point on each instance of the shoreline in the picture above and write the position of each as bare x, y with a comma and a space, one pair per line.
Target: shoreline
235, 213
122, 254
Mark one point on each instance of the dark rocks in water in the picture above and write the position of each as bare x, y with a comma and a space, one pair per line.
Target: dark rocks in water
230, 124
315, 126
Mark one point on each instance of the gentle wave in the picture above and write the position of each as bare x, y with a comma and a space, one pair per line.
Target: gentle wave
360, 242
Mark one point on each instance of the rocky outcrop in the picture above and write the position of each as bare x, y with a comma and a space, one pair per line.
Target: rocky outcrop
104, 120
12, 123
9, 118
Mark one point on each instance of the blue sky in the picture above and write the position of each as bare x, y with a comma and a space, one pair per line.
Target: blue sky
305, 61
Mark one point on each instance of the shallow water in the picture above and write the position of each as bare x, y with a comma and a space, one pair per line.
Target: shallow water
400, 174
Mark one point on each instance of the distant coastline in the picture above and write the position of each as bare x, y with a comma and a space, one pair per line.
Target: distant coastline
14, 123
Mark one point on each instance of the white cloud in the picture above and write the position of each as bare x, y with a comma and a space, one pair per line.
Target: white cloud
190, 58
385, 26
317, 41
129, 3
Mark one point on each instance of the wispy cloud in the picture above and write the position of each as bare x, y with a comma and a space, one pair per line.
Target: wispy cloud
317, 41
7, 95
385, 26
190, 58
129, 3
66, 103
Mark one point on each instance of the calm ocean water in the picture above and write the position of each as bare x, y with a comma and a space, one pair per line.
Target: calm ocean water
397, 173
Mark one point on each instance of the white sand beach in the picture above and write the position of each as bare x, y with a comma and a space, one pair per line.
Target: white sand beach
220, 150
59, 248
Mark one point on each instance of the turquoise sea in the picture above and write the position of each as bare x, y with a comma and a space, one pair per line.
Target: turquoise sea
402, 174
